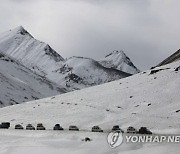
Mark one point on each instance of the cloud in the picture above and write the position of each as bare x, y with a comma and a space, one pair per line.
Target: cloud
148, 30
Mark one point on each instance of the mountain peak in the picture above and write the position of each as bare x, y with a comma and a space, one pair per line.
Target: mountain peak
21, 46
118, 60
20, 30
116, 52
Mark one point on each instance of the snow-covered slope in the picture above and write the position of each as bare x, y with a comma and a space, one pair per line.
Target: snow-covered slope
149, 99
19, 84
118, 60
170, 59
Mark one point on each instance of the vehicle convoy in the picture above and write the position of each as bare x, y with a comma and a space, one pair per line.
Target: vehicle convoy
30, 127
58, 127
40, 127
73, 128
96, 129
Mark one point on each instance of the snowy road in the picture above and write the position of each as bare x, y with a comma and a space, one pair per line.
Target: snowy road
53, 142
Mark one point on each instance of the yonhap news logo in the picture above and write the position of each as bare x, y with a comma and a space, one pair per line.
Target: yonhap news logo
115, 139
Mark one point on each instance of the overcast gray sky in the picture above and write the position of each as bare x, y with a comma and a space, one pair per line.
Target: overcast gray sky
147, 30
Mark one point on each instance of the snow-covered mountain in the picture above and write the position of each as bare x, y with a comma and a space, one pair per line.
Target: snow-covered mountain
80, 72
170, 59
19, 84
71, 74
35, 55
118, 60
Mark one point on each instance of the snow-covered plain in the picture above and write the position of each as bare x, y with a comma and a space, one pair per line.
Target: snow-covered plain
53, 142
150, 99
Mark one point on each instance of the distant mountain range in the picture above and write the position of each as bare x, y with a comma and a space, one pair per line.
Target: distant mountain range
31, 69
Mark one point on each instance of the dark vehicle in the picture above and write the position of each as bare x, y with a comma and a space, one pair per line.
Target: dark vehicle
58, 127
30, 127
116, 128
73, 128
18, 126
4, 125
131, 130
86, 139
40, 127
96, 129
144, 130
